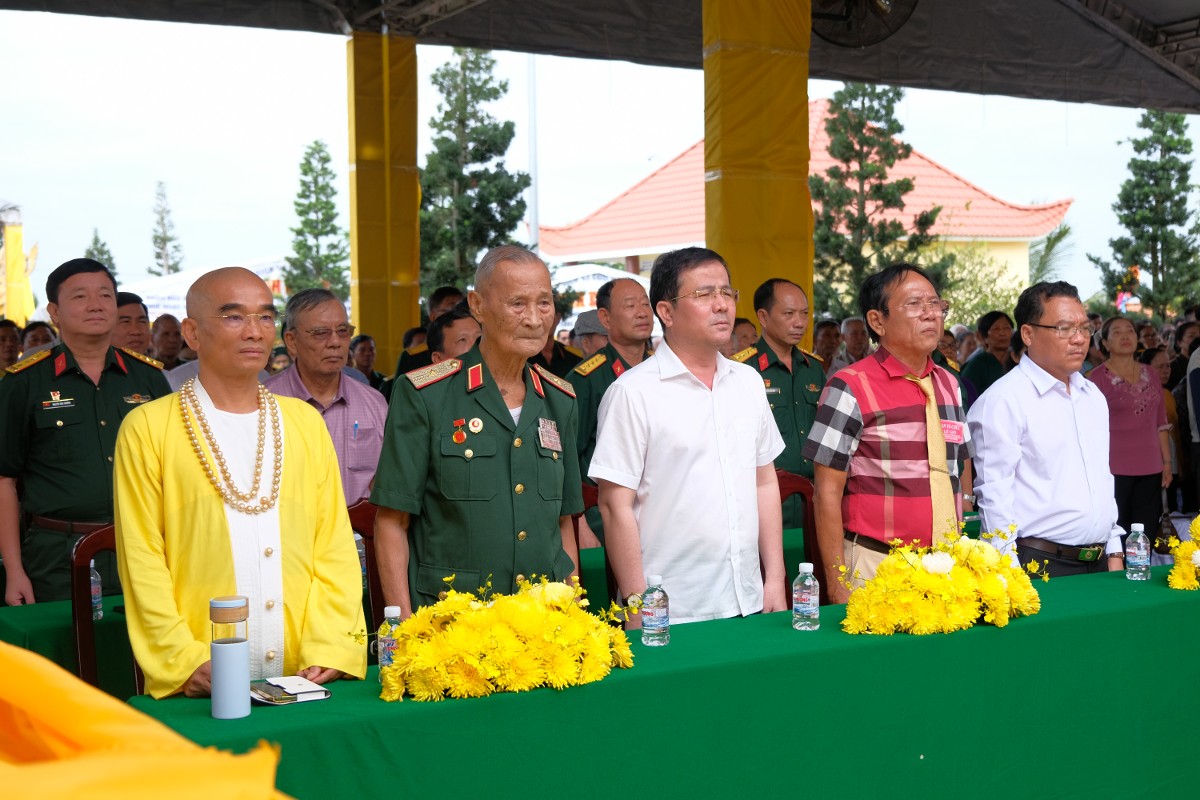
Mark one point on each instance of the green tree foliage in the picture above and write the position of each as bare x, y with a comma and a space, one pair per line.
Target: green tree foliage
978, 283
168, 254
98, 251
1158, 258
1049, 254
469, 200
319, 246
854, 234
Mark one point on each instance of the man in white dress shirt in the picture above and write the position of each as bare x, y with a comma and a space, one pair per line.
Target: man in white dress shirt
685, 458
1041, 445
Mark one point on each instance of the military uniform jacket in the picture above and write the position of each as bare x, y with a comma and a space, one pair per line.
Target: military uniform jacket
484, 494
58, 430
793, 397
563, 359
591, 379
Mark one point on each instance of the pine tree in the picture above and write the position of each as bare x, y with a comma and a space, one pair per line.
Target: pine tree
1152, 206
853, 235
98, 251
319, 246
168, 255
470, 201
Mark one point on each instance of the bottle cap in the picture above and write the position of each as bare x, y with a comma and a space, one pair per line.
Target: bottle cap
805, 567
391, 611
1137, 527
232, 608
654, 580
92, 563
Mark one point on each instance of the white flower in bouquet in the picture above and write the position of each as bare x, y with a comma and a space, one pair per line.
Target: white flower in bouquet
937, 563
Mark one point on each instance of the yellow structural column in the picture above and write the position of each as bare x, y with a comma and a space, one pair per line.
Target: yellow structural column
385, 190
758, 213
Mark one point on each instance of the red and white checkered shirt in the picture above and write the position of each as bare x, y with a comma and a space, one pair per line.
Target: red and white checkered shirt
871, 424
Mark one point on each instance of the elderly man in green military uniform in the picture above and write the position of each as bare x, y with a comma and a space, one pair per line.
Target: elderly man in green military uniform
624, 311
59, 414
479, 474
793, 377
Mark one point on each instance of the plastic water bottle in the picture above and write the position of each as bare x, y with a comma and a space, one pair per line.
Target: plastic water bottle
656, 613
1137, 553
806, 600
386, 644
361, 547
97, 593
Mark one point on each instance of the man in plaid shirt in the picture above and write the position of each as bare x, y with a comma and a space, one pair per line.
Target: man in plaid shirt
869, 443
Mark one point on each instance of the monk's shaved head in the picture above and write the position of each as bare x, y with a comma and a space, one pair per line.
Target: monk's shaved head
208, 293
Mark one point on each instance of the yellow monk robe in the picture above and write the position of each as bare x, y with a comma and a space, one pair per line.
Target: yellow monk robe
60, 738
174, 556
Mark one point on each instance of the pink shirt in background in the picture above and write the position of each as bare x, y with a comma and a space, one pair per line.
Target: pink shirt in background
1136, 413
355, 420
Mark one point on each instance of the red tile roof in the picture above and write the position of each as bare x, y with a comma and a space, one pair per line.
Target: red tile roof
666, 210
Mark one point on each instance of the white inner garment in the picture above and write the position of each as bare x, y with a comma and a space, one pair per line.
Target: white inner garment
253, 538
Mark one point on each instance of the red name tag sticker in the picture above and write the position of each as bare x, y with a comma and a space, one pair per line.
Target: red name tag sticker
952, 431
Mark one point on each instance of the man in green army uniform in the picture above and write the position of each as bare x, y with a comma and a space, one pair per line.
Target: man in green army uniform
624, 310
794, 377
59, 414
479, 474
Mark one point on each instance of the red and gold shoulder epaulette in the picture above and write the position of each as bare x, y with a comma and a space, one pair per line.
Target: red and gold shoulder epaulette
744, 356
563, 386
427, 376
26, 363
811, 354
589, 366
145, 359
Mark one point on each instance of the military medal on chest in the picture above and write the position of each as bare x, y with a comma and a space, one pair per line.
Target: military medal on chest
459, 436
548, 434
475, 425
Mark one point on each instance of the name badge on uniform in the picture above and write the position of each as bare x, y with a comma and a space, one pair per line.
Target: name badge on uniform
774, 390
548, 434
57, 401
952, 431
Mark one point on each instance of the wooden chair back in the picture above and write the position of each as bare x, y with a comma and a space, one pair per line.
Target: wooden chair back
85, 550
362, 522
790, 484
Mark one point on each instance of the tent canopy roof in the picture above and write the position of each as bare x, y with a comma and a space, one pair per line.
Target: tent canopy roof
1135, 53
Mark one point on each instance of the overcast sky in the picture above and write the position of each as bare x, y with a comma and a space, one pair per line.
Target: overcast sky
98, 110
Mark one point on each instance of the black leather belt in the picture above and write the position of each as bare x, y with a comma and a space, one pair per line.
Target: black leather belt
868, 543
66, 526
1091, 552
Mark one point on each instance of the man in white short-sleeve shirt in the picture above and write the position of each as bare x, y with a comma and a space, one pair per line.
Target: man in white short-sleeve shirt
685, 458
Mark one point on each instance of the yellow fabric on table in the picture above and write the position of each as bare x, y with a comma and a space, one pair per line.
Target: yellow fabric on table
65, 739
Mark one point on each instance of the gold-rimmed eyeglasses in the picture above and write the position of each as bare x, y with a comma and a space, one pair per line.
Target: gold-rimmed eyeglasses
323, 334
707, 294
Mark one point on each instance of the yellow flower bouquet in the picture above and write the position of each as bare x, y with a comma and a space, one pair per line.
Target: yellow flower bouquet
1187, 560
465, 646
944, 588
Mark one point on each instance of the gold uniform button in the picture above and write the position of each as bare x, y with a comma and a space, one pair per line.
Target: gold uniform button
519, 488
468, 454
58, 423
110, 459
442, 595
270, 655
270, 604
103, 423
520, 578
554, 456
269, 552
521, 536
517, 442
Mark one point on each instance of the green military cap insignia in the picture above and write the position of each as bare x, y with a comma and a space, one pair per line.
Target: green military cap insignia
26, 363
589, 366
427, 376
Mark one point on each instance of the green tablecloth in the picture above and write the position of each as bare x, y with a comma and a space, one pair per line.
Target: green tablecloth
1058, 705
591, 566
45, 628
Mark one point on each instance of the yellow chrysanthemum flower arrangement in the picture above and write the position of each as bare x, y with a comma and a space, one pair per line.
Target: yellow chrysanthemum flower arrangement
944, 588
464, 646
1187, 560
